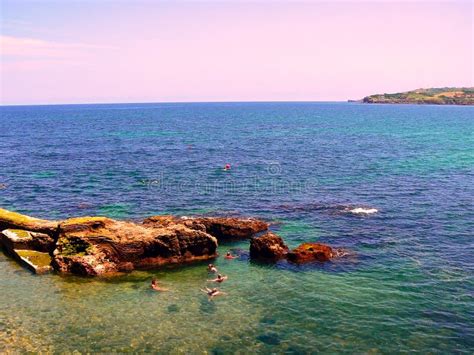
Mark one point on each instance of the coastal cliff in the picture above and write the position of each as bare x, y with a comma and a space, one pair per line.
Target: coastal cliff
432, 96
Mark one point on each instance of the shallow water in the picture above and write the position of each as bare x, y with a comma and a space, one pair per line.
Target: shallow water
407, 283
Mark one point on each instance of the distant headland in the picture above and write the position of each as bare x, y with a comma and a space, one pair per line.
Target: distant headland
432, 96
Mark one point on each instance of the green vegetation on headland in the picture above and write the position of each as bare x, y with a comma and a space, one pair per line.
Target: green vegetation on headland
433, 96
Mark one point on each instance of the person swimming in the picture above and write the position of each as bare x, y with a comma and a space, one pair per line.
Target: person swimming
228, 255
220, 278
212, 268
155, 287
212, 292
227, 166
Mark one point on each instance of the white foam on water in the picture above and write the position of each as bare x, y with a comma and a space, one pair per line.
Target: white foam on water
361, 210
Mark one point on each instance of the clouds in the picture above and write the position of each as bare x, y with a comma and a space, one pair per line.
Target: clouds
31, 48
32, 55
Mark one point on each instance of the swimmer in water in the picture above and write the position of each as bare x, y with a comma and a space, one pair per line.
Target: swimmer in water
155, 287
212, 292
220, 278
228, 255
3, 186
212, 268
227, 167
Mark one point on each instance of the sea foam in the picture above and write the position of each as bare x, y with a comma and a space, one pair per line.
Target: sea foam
361, 210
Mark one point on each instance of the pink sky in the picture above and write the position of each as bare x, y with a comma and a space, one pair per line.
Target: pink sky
152, 51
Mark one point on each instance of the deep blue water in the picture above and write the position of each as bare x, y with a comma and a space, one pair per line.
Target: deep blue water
408, 283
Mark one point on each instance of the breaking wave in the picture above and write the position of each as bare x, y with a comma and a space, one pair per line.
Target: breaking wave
362, 210
330, 208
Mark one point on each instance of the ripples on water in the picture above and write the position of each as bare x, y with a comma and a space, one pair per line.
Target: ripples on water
407, 283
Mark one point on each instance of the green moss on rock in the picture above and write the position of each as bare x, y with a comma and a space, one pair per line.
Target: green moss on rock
35, 257
82, 220
13, 220
37, 262
74, 247
19, 233
16, 217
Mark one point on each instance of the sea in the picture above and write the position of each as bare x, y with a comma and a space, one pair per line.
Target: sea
391, 185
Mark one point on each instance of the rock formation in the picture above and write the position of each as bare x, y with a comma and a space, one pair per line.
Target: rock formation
15, 220
308, 252
220, 227
268, 247
100, 245
36, 261
21, 239
31, 249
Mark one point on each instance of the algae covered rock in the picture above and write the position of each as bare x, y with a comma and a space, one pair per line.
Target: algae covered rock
21, 239
38, 262
14, 220
268, 247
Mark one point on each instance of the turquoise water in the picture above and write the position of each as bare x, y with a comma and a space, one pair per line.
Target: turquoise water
406, 285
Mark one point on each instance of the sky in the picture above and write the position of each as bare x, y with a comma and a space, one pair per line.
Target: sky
108, 51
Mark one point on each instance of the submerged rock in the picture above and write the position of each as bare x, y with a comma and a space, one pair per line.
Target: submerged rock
270, 338
268, 247
308, 252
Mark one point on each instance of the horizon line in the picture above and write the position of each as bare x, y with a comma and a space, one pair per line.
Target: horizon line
178, 102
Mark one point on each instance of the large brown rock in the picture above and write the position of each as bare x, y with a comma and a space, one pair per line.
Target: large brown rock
268, 247
98, 245
308, 252
223, 228
233, 228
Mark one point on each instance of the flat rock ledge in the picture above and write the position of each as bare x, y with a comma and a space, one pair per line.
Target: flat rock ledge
99, 245
36, 261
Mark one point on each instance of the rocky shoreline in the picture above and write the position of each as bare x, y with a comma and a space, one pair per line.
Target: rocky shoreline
92, 246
